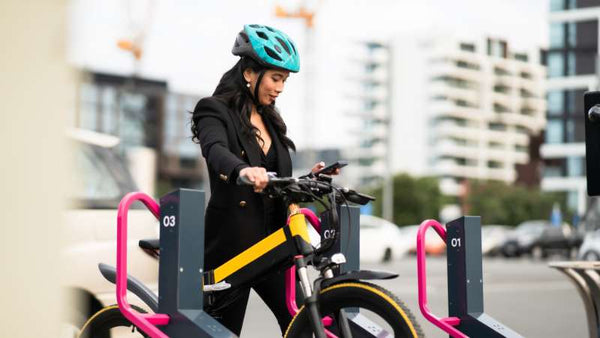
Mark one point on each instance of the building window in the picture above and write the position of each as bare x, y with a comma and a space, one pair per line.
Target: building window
494, 164
497, 48
554, 167
468, 47
525, 75
555, 102
557, 35
552, 171
557, 5
521, 57
574, 166
497, 126
585, 3
555, 65
554, 131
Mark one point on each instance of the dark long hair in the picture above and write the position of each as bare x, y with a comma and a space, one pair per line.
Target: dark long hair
233, 92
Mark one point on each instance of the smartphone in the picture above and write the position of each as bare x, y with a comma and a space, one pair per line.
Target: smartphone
330, 168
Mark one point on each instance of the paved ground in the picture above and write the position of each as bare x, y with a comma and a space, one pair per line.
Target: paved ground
527, 296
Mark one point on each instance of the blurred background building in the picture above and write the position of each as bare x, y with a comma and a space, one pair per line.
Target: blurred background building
370, 95
572, 60
466, 110
151, 122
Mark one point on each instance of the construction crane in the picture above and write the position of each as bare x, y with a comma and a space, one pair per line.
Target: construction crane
137, 32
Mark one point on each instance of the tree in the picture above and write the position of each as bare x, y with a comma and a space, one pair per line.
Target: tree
415, 199
500, 203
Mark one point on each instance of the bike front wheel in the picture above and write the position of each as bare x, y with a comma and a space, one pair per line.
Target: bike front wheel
110, 322
362, 308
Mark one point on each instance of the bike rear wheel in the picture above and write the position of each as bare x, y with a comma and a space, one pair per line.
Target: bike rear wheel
377, 310
110, 322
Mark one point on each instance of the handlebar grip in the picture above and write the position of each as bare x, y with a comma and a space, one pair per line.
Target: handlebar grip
243, 180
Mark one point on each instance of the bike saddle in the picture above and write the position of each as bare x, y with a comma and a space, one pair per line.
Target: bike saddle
150, 244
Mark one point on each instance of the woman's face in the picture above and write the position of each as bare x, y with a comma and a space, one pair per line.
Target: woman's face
271, 85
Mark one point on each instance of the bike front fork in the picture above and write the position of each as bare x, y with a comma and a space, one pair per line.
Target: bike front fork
310, 298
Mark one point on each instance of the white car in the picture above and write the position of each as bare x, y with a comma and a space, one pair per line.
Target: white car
100, 180
590, 248
380, 240
492, 238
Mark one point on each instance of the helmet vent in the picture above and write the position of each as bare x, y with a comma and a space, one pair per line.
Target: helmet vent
272, 53
283, 44
294, 48
256, 26
269, 28
262, 35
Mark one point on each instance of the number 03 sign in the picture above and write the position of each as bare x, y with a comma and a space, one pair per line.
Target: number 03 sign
169, 221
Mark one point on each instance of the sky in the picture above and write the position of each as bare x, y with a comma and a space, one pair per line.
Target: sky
188, 43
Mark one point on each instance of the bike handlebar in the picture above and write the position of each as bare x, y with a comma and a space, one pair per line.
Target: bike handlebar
309, 185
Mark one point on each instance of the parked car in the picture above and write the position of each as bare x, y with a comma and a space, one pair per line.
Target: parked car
492, 238
590, 248
380, 240
100, 180
539, 239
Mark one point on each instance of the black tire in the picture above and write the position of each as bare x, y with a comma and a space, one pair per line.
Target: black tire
361, 295
591, 256
110, 317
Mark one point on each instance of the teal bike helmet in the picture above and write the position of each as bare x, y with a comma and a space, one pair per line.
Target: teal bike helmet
268, 46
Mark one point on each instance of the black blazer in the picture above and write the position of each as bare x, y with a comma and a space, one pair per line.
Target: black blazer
235, 215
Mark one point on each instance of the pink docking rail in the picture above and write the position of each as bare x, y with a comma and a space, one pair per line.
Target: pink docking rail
145, 322
447, 324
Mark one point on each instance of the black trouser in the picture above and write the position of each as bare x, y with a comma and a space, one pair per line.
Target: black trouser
229, 307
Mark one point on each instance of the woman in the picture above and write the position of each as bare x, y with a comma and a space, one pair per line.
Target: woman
242, 134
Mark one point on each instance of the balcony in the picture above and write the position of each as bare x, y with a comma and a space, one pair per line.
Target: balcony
500, 174
439, 88
450, 69
451, 168
448, 148
448, 108
450, 129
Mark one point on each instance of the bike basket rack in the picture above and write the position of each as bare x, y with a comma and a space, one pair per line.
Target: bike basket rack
465, 281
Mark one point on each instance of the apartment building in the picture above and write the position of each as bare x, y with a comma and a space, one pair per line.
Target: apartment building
465, 109
572, 69
368, 92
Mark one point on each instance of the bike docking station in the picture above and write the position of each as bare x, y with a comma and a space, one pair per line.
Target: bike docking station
465, 281
183, 282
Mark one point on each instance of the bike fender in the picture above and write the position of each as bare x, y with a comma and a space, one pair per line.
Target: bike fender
133, 284
359, 275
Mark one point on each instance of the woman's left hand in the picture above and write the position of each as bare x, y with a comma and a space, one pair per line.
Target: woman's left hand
321, 165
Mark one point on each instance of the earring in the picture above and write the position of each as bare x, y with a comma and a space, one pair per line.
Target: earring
248, 84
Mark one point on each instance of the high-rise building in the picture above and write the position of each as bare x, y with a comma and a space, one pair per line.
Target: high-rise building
571, 60
369, 78
464, 109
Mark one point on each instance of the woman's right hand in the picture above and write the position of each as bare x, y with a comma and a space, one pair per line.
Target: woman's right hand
256, 175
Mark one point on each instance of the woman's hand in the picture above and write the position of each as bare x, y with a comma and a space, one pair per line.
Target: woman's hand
321, 165
256, 175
